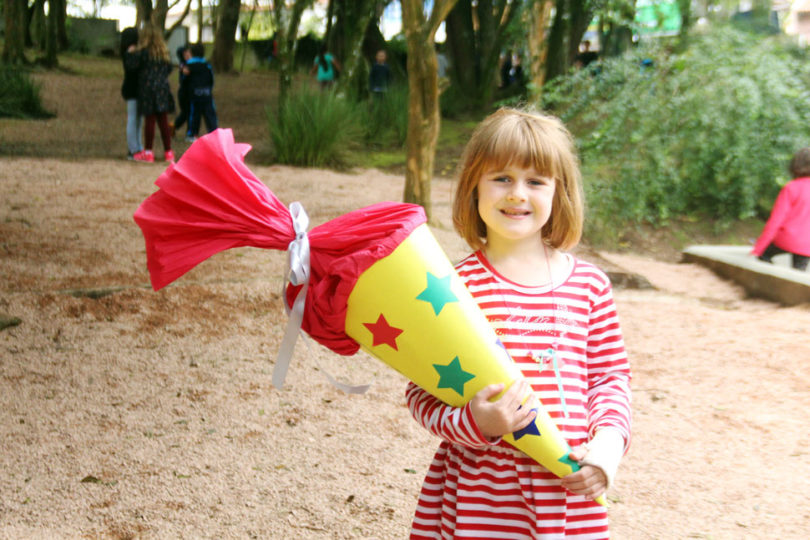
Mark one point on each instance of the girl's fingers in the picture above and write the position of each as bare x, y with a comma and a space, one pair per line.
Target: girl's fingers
526, 419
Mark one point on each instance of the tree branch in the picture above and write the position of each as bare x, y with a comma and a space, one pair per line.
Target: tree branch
179, 21
441, 8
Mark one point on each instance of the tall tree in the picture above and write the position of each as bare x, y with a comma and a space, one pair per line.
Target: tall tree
423, 96
225, 36
571, 19
143, 11
36, 24
51, 36
539, 18
476, 31
346, 40
14, 13
159, 12
286, 20
200, 20
60, 7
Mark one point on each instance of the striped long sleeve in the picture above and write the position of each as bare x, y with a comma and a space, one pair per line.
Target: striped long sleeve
453, 424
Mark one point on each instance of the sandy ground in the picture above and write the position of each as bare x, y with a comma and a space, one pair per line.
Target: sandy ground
128, 413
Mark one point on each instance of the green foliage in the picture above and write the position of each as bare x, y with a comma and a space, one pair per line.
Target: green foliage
706, 132
386, 122
315, 129
19, 95
321, 129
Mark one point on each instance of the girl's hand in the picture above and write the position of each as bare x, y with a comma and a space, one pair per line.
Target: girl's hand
497, 418
589, 480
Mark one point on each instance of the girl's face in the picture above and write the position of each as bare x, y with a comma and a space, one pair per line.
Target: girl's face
514, 203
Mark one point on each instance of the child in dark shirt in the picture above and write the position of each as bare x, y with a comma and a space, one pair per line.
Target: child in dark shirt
200, 78
379, 77
183, 56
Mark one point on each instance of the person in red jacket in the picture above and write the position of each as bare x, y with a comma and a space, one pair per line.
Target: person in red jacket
788, 228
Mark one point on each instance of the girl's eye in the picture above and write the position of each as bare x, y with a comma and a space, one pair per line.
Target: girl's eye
541, 181
501, 179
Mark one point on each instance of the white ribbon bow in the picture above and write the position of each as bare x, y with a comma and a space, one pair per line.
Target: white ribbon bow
298, 260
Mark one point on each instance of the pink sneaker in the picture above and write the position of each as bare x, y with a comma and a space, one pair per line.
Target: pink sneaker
169, 156
145, 156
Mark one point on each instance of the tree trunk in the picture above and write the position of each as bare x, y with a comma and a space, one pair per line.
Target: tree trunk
423, 97
14, 47
51, 36
159, 12
143, 11
580, 15
462, 48
61, 24
476, 35
179, 22
556, 49
286, 21
38, 24
225, 37
538, 33
355, 20
246, 37
330, 13
200, 20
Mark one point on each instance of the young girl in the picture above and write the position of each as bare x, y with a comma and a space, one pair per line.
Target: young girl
326, 68
129, 91
518, 204
155, 101
788, 228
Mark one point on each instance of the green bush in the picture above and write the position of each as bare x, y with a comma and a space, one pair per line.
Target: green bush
315, 129
705, 132
19, 95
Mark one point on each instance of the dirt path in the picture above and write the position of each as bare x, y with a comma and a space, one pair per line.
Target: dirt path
126, 413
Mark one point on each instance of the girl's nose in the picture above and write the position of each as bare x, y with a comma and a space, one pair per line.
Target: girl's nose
517, 192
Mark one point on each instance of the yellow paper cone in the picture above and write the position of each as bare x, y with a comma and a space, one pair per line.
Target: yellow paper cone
412, 311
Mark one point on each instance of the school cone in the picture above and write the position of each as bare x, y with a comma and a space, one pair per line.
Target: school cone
412, 311
373, 278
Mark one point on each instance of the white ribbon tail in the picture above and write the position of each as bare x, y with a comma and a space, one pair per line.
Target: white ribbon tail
287, 347
298, 257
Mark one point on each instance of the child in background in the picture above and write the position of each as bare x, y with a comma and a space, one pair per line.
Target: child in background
788, 228
518, 203
379, 77
325, 68
129, 91
183, 98
155, 101
200, 87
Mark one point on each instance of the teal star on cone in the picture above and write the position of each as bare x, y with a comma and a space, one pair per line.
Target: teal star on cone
438, 292
570, 462
452, 376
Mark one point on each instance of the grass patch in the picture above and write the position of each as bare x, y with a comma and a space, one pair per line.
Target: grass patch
315, 129
20, 95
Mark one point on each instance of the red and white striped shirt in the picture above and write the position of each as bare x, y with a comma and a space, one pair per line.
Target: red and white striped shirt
477, 489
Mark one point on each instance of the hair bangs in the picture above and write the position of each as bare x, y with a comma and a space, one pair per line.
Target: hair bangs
519, 142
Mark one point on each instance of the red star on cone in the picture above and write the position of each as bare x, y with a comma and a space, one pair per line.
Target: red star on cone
384, 332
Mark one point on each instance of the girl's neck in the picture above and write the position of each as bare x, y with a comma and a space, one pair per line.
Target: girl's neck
533, 265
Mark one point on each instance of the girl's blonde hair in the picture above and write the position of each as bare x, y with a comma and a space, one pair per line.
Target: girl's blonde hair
528, 139
151, 39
